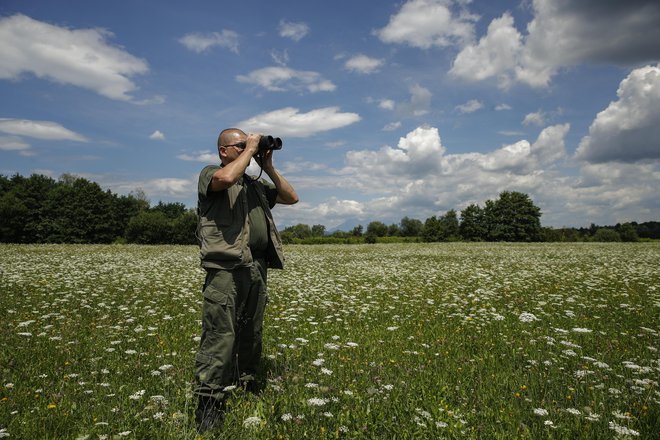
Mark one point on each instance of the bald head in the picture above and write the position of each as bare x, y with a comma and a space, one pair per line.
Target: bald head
230, 136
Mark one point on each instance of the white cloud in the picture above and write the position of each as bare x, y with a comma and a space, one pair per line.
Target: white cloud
79, 57
501, 107
427, 23
39, 130
493, 56
392, 126
628, 129
386, 104
419, 104
470, 107
294, 31
363, 64
562, 33
280, 79
13, 143
200, 42
157, 136
199, 156
289, 121
535, 118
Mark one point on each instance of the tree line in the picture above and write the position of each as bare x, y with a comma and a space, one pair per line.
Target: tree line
40, 209
512, 217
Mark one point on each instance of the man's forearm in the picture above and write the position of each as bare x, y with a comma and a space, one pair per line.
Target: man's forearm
285, 192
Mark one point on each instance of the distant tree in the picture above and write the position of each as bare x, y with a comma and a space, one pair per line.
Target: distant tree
300, 231
170, 210
450, 227
377, 229
184, 228
357, 231
411, 227
318, 231
13, 213
472, 227
433, 230
627, 232
513, 217
393, 230
149, 228
606, 235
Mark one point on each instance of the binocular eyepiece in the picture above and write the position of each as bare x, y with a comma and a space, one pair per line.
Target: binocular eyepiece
270, 143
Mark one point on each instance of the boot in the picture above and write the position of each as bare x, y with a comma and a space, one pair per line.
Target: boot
209, 414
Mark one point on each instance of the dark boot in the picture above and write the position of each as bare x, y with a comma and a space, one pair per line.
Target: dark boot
209, 414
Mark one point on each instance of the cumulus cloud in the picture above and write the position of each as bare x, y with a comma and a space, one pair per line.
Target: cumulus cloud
363, 64
493, 56
562, 33
281, 79
628, 129
39, 130
79, 57
428, 23
294, 31
534, 118
290, 121
199, 156
419, 104
386, 104
202, 42
470, 107
157, 136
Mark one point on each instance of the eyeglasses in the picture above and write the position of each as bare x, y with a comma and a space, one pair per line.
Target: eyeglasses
240, 145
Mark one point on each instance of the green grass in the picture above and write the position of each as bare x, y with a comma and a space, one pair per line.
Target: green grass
453, 340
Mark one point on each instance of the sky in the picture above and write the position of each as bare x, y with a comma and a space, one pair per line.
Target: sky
386, 109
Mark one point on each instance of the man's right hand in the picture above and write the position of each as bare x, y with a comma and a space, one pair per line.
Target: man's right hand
252, 144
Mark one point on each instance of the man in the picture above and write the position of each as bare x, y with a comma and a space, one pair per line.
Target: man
238, 242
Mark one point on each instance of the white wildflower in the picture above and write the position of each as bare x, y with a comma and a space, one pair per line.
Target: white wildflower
527, 317
581, 330
316, 401
622, 430
252, 422
540, 412
286, 417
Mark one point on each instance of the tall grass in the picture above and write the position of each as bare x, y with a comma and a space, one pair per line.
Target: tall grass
460, 340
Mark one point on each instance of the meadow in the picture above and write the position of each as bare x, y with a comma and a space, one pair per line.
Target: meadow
384, 341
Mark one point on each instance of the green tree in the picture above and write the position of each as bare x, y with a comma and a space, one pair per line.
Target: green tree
472, 226
627, 232
411, 227
318, 231
149, 228
606, 235
377, 229
450, 227
184, 228
357, 231
433, 230
393, 230
513, 217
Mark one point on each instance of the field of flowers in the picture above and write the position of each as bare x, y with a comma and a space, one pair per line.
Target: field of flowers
363, 341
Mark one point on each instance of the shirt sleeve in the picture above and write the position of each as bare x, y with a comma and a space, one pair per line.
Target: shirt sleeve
271, 193
205, 179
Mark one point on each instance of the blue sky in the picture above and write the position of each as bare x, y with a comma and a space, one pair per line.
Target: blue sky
386, 108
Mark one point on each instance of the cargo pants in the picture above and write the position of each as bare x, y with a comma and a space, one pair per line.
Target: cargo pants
232, 321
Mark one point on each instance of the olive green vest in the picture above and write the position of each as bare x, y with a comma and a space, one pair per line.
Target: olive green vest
223, 229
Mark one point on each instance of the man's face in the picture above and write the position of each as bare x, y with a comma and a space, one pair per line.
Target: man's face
233, 148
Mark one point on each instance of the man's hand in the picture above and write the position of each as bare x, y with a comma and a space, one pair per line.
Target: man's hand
252, 144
